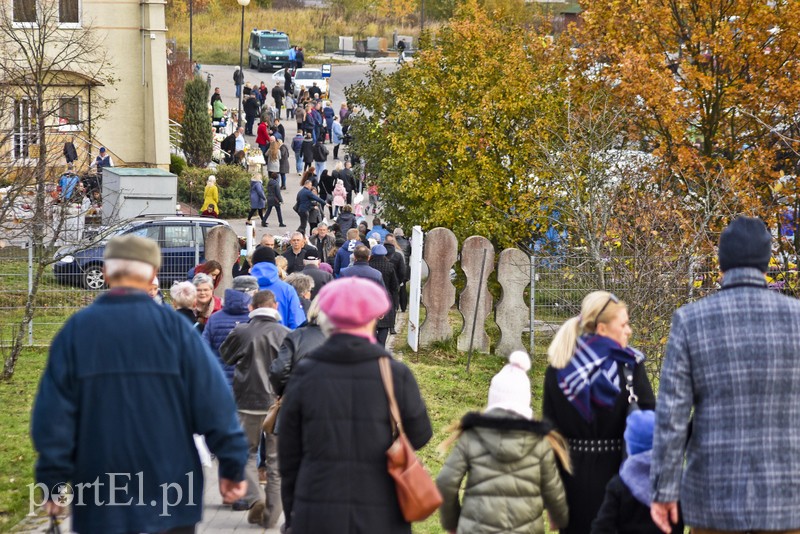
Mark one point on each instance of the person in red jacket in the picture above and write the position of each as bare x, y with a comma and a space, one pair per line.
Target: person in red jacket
262, 137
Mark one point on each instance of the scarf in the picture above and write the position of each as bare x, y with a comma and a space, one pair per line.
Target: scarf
590, 377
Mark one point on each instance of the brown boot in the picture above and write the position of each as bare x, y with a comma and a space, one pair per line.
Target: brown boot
256, 514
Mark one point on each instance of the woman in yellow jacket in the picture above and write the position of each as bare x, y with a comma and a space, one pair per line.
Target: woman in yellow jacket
211, 195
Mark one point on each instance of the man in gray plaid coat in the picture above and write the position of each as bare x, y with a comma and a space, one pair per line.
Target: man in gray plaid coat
733, 357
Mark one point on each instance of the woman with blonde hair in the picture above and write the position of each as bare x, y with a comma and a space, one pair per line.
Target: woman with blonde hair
273, 156
210, 194
593, 380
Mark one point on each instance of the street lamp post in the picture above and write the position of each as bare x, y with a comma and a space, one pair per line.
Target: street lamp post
243, 3
191, 9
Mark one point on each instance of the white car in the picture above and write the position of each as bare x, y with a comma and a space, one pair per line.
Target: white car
303, 77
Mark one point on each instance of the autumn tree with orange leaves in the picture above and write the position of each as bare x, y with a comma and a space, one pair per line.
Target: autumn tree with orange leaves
714, 89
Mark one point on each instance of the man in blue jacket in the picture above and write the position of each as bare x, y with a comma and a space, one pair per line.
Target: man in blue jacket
235, 310
361, 267
266, 273
345, 252
127, 384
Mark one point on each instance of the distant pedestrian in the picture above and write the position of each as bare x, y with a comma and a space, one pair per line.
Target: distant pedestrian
401, 51
278, 94
300, 58
210, 193
308, 153
320, 152
274, 198
337, 136
238, 81
328, 114
262, 138
290, 105
305, 198
339, 197
340, 382
100, 394
509, 460
297, 148
284, 162
258, 200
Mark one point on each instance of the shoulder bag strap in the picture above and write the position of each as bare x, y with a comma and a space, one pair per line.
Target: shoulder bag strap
394, 411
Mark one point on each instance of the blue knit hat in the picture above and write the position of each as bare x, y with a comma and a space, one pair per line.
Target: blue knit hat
639, 431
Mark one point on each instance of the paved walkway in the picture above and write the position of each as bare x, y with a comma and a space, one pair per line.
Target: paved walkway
217, 517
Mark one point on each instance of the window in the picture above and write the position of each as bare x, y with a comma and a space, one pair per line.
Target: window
69, 12
177, 236
150, 232
25, 141
24, 11
69, 113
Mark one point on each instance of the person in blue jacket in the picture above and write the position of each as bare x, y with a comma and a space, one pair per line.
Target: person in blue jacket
235, 310
266, 273
115, 413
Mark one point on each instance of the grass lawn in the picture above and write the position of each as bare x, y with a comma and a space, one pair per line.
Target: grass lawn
16, 451
216, 31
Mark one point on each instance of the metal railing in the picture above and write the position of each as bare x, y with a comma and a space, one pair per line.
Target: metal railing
175, 137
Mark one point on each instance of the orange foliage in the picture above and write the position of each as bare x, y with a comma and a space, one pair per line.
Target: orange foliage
179, 71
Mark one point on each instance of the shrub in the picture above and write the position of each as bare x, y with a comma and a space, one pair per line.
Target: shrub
191, 184
197, 141
234, 191
176, 164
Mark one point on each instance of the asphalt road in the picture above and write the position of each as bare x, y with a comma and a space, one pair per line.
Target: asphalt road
341, 77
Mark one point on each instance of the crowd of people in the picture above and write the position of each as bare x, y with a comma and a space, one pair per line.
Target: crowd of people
304, 332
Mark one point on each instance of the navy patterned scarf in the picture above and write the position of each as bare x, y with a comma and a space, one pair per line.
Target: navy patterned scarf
590, 377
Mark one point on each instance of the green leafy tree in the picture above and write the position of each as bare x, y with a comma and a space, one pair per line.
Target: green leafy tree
197, 141
449, 138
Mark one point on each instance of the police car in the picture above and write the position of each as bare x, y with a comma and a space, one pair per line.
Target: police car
268, 50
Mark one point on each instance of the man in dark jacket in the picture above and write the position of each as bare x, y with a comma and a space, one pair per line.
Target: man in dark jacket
100, 396
252, 347
323, 241
250, 113
296, 253
278, 94
380, 263
319, 276
304, 199
320, 156
335, 427
361, 268
235, 310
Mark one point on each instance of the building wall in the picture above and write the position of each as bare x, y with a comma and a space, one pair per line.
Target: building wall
135, 125
133, 121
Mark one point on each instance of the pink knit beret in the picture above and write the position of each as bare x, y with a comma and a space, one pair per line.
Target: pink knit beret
352, 302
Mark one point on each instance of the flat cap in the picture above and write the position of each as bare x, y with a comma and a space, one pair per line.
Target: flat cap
133, 247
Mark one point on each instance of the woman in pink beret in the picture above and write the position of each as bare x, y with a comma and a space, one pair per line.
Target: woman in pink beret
334, 425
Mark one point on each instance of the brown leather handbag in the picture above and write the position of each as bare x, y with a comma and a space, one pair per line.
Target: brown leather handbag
416, 491
271, 418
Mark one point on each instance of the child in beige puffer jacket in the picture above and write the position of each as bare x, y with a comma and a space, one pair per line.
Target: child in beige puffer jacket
509, 460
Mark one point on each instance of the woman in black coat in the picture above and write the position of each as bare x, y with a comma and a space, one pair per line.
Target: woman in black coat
586, 398
296, 345
335, 427
274, 198
379, 261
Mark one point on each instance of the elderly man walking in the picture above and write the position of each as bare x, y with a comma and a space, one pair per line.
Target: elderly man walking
126, 385
731, 357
